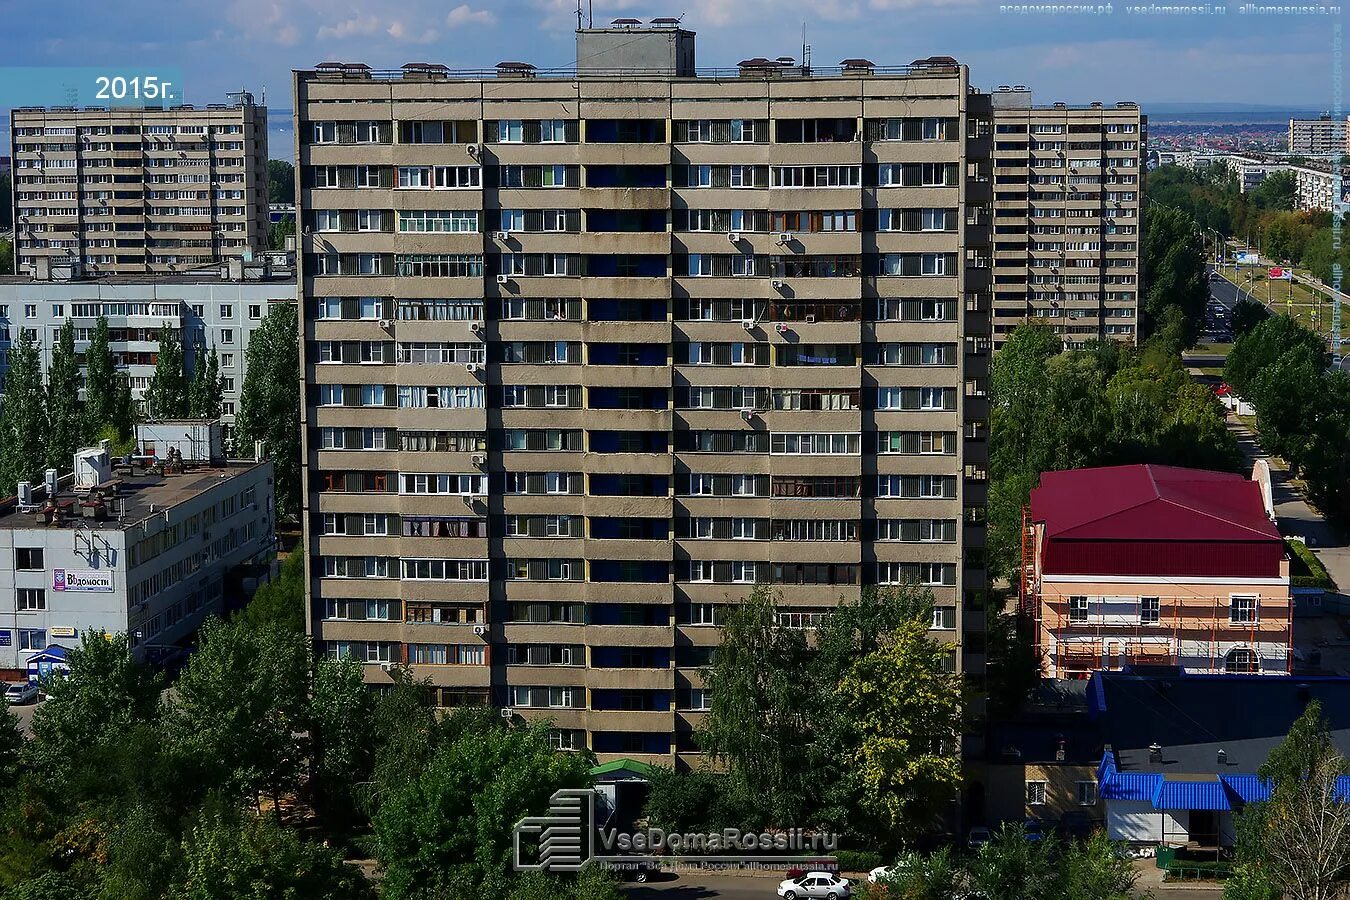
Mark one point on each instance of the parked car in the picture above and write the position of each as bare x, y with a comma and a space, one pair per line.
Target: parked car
641, 871
815, 886
978, 837
899, 868
20, 692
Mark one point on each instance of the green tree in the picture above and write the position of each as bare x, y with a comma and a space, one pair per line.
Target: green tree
342, 735
11, 747
1247, 314
269, 402
1174, 259
279, 231
23, 417
91, 714
282, 600
1010, 867
206, 388
123, 412
167, 395
238, 707
1276, 191
6, 198
1306, 839
7, 257
1093, 870
445, 830
100, 382
239, 856
759, 702
65, 421
938, 876
905, 699
280, 181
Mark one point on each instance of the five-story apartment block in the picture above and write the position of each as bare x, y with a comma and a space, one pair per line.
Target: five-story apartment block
130, 191
1068, 190
588, 356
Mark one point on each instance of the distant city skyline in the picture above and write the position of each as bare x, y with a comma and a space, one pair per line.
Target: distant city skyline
1272, 60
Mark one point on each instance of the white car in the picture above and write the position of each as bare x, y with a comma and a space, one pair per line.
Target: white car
880, 872
20, 692
815, 885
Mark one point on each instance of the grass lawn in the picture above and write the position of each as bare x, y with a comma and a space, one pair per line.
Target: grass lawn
1210, 349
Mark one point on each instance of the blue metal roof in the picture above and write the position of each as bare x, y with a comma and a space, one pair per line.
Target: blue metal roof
1130, 786
1246, 788
1191, 795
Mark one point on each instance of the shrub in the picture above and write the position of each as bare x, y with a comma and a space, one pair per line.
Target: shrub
858, 860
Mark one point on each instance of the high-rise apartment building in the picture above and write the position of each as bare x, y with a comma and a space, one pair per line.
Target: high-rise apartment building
130, 191
1068, 190
1322, 136
588, 355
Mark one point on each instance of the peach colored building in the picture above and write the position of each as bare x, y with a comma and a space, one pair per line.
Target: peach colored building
1155, 565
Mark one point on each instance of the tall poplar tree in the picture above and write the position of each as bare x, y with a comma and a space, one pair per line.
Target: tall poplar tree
23, 418
167, 395
100, 381
65, 421
204, 394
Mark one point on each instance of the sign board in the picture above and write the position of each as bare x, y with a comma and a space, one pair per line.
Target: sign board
1281, 272
82, 580
6, 638
65, 631
1247, 258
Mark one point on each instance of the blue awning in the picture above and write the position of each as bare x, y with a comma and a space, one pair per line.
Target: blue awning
1246, 788
1191, 795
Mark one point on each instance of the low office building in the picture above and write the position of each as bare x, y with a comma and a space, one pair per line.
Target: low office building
1131, 565
1066, 216
1180, 753
112, 549
219, 307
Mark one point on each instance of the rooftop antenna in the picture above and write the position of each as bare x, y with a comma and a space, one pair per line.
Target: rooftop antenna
578, 15
806, 52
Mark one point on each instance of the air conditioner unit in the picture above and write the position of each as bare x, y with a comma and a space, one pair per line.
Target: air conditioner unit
781, 327
473, 368
480, 460
784, 237
734, 237
779, 285
386, 324
480, 630
748, 324
387, 666
748, 413
503, 279
476, 327
501, 235
473, 150
508, 712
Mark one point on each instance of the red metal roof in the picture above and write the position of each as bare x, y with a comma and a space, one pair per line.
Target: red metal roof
1155, 520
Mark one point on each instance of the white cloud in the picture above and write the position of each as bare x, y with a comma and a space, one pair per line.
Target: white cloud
399, 32
357, 26
467, 15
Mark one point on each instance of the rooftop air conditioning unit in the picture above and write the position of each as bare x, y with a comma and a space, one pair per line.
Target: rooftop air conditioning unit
508, 712
473, 368
784, 237
480, 630
748, 324
747, 413
501, 235
386, 324
503, 279
734, 237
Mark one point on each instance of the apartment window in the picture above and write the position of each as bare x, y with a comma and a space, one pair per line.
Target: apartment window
1241, 661
944, 618
1150, 611
1242, 610
255, 311
1035, 793
32, 639
31, 600
1087, 793
227, 335
1078, 610
28, 558
226, 311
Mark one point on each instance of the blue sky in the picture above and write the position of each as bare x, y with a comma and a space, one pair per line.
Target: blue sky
227, 44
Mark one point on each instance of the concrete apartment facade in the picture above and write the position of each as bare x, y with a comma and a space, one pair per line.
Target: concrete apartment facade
218, 307
588, 355
126, 191
1323, 136
1067, 225
140, 553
